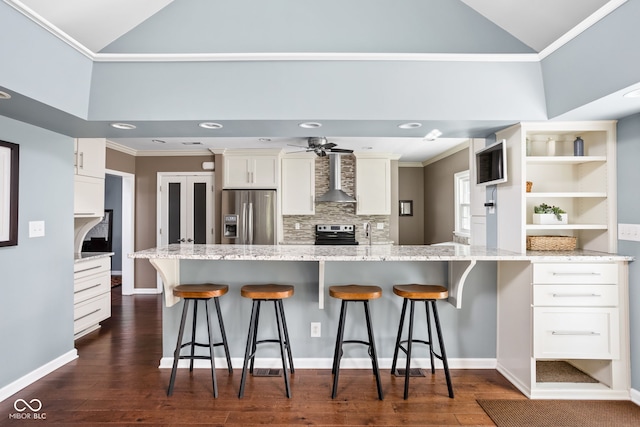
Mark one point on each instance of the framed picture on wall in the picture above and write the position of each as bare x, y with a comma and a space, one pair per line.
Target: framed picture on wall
9, 161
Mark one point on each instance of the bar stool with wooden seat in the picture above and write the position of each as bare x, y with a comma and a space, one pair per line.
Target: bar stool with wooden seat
355, 293
199, 293
260, 293
429, 294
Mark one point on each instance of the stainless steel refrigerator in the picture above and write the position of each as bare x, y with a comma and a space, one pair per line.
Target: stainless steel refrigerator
249, 217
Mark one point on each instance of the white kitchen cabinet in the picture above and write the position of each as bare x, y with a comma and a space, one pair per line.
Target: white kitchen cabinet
90, 156
91, 294
574, 312
89, 177
373, 185
298, 184
250, 169
583, 186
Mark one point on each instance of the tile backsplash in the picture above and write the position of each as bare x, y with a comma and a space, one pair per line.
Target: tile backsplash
334, 213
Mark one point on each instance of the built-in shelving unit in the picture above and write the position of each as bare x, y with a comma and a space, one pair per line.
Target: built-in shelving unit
542, 154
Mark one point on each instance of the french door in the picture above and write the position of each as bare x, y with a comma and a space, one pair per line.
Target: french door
186, 209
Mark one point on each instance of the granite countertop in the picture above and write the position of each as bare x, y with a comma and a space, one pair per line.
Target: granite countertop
85, 256
365, 253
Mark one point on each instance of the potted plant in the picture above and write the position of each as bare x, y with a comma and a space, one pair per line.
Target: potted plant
549, 215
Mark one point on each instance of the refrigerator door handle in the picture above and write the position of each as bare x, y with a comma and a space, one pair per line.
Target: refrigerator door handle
251, 223
244, 223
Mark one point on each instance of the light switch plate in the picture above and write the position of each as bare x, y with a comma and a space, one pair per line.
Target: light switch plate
36, 229
629, 232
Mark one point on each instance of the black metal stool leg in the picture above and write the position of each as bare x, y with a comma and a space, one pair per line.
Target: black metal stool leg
176, 353
372, 346
399, 339
338, 352
409, 345
443, 353
247, 352
254, 346
193, 333
433, 369
286, 335
337, 349
213, 364
224, 335
282, 349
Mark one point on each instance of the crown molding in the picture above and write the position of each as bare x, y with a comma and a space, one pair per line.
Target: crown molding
173, 153
123, 149
410, 164
447, 153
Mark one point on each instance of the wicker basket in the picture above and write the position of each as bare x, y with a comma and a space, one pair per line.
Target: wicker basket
551, 243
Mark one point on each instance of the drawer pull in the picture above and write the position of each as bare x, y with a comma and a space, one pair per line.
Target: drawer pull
90, 287
89, 269
576, 273
575, 295
86, 315
589, 333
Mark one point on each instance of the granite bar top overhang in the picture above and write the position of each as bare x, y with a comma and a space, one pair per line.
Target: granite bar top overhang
454, 252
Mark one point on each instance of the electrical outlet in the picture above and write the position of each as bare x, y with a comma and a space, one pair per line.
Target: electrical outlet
36, 228
380, 226
297, 226
315, 329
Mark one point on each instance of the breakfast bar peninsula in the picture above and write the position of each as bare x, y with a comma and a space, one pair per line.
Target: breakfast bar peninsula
508, 311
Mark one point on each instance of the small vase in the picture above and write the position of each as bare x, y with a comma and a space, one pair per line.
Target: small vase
551, 147
578, 147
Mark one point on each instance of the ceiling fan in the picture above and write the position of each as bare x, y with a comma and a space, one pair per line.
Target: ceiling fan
320, 146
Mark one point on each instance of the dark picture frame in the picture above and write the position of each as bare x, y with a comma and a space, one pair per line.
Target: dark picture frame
406, 208
9, 174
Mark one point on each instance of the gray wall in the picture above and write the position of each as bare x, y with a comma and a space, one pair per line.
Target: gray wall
628, 177
411, 187
36, 308
469, 332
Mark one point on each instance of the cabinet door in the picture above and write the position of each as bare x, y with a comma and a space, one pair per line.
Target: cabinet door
298, 186
264, 172
90, 157
237, 171
88, 196
373, 186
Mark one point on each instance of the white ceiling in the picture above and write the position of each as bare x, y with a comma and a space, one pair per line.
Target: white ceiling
95, 24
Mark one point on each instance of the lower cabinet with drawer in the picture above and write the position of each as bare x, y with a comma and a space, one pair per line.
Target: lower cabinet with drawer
92, 294
578, 323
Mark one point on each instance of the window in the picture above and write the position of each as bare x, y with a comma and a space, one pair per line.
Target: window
462, 204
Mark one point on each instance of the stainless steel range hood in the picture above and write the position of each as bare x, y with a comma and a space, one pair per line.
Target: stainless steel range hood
335, 193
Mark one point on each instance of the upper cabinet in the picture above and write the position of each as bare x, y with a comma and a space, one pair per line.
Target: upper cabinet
546, 167
90, 154
251, 169
373, 184
90, 157
298, 184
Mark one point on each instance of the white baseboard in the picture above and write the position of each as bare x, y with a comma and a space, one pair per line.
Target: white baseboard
635, 396
36, 374
146, 291
326, 363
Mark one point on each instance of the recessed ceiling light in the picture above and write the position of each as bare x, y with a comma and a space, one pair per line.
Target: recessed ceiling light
192, 143
433, 135
4, 95
367, 148
264, 139
158, 141
411, 125
633, 94
210, 125
310, 125
125, 126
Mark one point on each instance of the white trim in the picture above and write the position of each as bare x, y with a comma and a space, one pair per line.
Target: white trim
326, 363
172, 153
118, 147
410, 165
447, 153
128, 229
146, 291
581, 27
33, 376
635, 396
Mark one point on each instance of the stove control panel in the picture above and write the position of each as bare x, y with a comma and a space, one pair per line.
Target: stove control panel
332, 228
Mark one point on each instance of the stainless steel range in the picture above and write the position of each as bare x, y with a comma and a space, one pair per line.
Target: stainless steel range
335, 234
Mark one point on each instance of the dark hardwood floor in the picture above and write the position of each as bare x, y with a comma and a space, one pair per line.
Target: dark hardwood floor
116, 381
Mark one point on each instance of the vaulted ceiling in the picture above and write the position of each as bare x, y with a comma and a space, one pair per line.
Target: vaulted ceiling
360, 68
